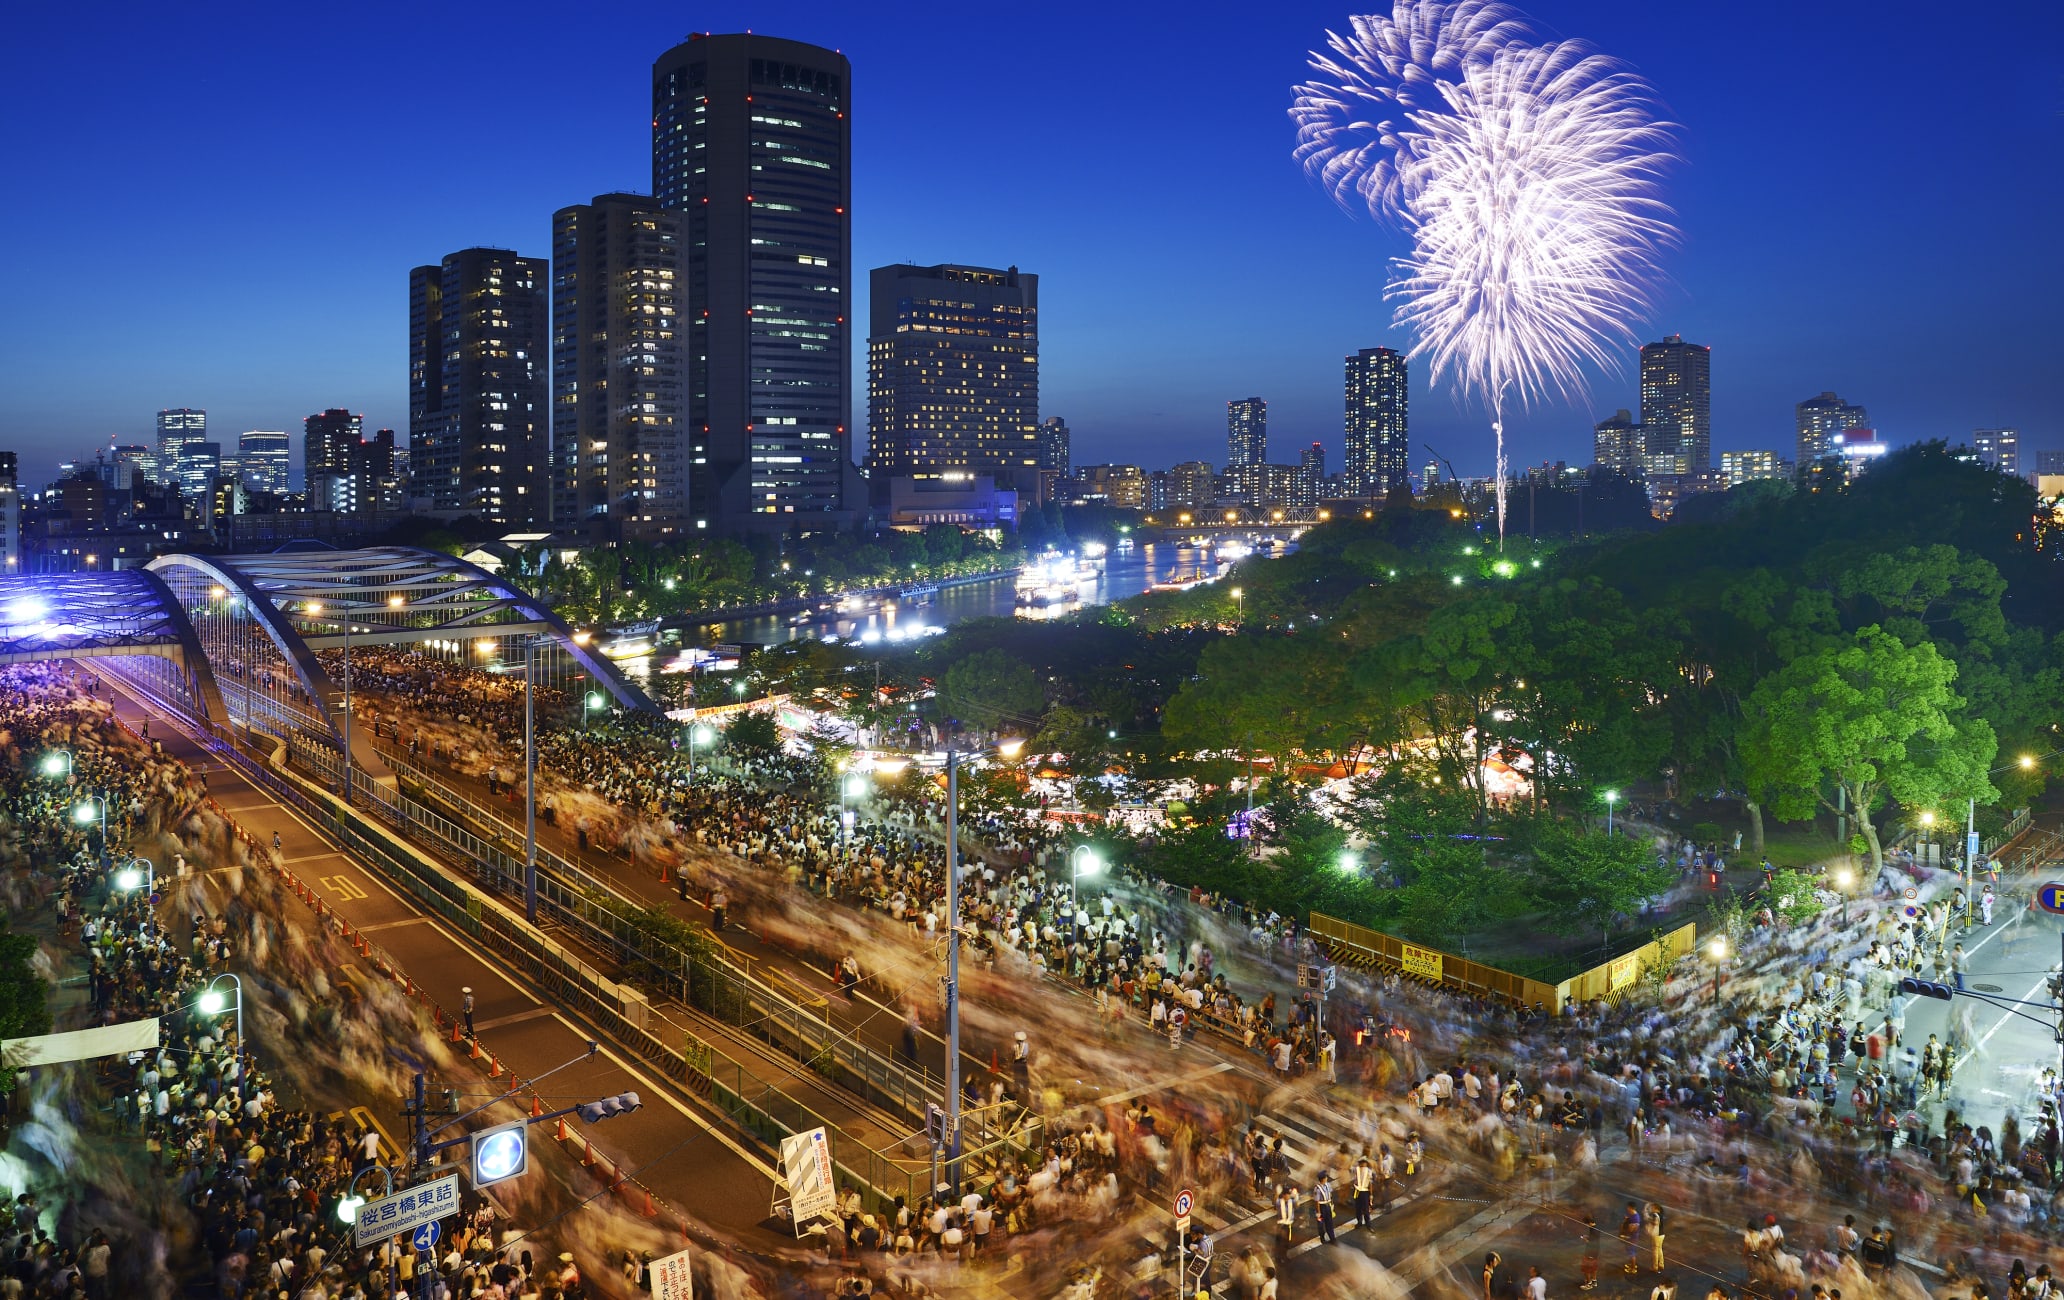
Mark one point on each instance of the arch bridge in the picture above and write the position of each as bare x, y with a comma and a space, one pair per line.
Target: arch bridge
263, 641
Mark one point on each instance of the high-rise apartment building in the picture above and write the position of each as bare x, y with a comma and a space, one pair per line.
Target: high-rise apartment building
1999, 448
619, 371
751, 145
1188, 485
1313, 459
262, 455
1120, 485
1821, 422
1739, 467
1264, 486
330, 459
953, 375
1677, 404
1616, 443
479, 403
1055, 453
177, 428
133, 466
1246, 432
1378, 453
10, 513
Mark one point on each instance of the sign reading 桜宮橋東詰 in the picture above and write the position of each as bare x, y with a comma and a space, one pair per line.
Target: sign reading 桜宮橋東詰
1423, 962
1621, 972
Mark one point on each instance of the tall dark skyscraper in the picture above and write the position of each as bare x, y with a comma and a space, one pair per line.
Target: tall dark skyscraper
619, 439
1677, 404
330, 457
479, 398
953, 374
1055, 453
1246, 422
1379, 443
751, 144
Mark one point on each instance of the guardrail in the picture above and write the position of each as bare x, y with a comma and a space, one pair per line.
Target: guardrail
593, 908
757, 1108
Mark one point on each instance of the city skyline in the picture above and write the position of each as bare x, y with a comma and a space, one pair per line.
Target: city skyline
209, 332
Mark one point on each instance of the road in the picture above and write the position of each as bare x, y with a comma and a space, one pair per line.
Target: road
673, 1144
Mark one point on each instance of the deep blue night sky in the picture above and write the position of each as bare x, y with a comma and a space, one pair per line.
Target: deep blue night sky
218, 206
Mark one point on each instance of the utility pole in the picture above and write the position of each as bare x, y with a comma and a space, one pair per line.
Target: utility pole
530, 779
953, 968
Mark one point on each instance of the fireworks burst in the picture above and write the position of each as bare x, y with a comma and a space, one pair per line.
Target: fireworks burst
1525, 173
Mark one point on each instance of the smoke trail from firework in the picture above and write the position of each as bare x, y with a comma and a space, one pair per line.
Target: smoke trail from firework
1526, 175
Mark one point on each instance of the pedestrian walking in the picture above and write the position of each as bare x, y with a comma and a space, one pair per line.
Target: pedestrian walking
1536, 1285
466, 1009
719, 902
1652, 1223
1958, 965
1630, 1237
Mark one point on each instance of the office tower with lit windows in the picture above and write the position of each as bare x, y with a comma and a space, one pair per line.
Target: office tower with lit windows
1055, 453
199, 463
10, 513
619, 371
1246, 432
1378, 452
1616, 444
330, 459
1998, 448
953, 375
176, 429
262, 455
1821, 423
479, 391
1677, 405
752, 146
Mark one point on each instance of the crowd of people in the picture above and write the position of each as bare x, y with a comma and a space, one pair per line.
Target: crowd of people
198, 1115
1798, 1075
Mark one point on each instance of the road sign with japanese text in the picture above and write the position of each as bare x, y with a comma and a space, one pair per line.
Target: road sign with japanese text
406, 1210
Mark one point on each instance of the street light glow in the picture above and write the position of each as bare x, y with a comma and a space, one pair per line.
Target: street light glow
396, 602
84, 813
1927, 819
1716, 948
347, 1209
54, 764
1612, 796
212, 1002
2027, 760
1348, 860
128, 878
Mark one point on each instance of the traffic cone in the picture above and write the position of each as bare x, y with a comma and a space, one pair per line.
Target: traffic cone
476, 1049
992, 1060
537, 1107
562, 1130
651, 1210
494, 1067
455, 1035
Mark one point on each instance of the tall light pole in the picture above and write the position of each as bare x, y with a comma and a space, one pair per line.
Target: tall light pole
212, 1001
530, 780
1239, 606
952, 967
130, 878
697, 735
94, 806
316, 607
1611, 797
57, 764
1082, 861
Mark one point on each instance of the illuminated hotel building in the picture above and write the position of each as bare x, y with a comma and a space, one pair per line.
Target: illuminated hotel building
1677, 405
953, 375
1378, 453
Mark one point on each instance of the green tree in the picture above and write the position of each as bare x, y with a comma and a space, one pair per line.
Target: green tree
753, 733
24, 997
992, 688
1871, 718
1795, 896
1582, 880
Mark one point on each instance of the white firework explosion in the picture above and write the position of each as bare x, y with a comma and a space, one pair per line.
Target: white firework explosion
1529, 190
1351, 126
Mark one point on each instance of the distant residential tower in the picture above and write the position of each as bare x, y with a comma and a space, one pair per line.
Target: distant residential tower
1379, 448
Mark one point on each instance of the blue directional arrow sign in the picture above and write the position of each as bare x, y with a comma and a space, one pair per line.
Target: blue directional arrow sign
2049, 896
425, 1238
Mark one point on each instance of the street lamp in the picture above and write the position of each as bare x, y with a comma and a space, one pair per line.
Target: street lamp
1844, 879
57, 763
589, 703
530, 646
213, 1000
316, 607
1239, 606
90, 809
1716, 948
1611, 797
140, 872
1082, 861
697, 735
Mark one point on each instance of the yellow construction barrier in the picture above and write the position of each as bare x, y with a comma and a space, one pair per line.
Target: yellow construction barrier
1358, 945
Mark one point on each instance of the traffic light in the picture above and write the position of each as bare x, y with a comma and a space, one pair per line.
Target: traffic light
1927, 988
501, 1152
595, 1112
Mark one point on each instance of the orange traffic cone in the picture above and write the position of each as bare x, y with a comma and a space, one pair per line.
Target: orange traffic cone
562, 1130
651, 1210
476, 1049
537, 1107
455, 1035
494, 1067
